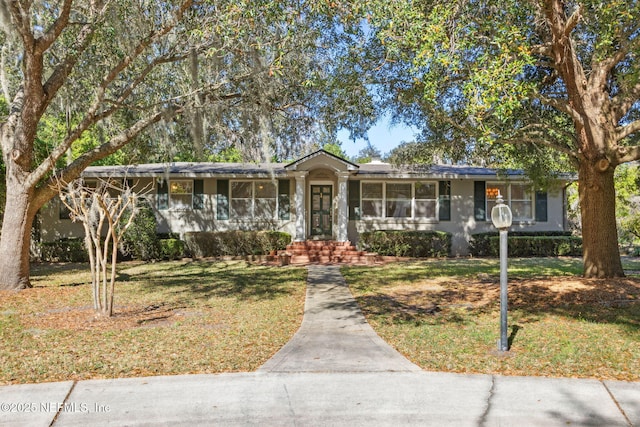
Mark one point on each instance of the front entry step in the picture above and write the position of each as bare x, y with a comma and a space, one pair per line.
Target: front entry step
326, 252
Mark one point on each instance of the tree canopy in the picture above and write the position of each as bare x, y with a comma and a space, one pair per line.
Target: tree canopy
85, 79
540, 83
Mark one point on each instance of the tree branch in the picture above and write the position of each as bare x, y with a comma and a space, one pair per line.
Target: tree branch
59, 76
573, 21
535, 134
51, 35
73, 170
624, 131
141, 47
22, 22
627, 154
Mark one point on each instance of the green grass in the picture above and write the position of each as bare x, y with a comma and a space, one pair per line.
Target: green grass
170, 318
444, 316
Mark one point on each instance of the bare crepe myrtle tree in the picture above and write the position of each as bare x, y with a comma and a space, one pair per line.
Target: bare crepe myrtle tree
106, 210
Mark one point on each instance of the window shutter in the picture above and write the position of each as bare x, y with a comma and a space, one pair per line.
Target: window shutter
222, 199
284, 199
163, 195
479, 201
354, 200
444, 200
198, 194
541, 206
64, 212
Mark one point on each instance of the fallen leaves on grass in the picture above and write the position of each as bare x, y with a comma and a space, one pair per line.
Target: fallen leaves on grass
559, 326
170, 318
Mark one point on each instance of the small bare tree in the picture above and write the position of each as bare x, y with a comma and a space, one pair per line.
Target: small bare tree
106, 212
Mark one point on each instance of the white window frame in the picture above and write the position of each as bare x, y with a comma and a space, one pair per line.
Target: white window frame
253, 199
490, 201
435, 199
381, 199
404, 203
384, 200
174, 186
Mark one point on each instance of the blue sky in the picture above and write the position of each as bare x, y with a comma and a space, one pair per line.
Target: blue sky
381, 136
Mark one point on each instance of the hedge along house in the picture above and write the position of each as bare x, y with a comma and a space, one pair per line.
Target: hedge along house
323, 197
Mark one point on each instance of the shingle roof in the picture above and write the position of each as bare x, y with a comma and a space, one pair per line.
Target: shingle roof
187, 169
444, 171
264, 170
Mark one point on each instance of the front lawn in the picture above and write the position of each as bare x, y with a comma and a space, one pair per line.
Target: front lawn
444, 316
170, 318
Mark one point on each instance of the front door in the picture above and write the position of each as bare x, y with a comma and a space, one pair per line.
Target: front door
321, 210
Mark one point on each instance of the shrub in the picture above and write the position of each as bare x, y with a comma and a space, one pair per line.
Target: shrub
407, 243
234, 243
64, 250
275, 241
171, 248
527, 244
140, 240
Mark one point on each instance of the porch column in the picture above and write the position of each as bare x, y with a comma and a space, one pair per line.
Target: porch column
343, 208
301, 214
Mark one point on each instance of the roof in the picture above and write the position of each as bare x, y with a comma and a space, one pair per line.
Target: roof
271, 170
338, 163
184, 169
435, 171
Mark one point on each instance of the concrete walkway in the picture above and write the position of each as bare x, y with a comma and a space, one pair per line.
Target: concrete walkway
335, 371
334, 336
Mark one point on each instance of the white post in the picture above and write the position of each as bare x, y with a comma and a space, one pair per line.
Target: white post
301, 214
343, 208
504, 339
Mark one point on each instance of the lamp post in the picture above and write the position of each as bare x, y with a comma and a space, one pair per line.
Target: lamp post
501, 218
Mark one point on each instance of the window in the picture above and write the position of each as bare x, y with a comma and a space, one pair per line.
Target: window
492, 191
519, 197
241, 195
265, 200
180, 194
398, 201
401, 200
426, 201
284, 200
63, 211
253, 199
372, 199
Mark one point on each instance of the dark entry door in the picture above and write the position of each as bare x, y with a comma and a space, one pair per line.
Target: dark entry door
321, 210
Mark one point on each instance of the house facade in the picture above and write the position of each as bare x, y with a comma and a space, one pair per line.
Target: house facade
323, 197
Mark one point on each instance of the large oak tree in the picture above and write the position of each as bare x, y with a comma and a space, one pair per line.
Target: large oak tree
534, 80
257, 73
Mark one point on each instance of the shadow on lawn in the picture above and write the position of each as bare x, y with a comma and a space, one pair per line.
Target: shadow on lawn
615, 301
209, 279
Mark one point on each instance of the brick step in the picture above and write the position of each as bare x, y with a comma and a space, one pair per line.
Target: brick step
300, 259
326, 251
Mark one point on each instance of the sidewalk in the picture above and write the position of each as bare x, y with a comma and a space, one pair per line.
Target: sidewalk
335, 371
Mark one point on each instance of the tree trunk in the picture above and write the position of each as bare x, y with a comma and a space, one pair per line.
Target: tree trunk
15, 240
598, 210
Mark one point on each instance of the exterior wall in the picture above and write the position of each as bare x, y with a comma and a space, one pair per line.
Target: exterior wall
169, 220
318, 170
181, 221
53, 228
463, 223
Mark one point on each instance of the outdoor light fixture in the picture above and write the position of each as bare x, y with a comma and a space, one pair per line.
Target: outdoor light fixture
501, 218
501, 214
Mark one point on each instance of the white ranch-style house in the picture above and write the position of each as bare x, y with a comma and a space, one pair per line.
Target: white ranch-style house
323, 197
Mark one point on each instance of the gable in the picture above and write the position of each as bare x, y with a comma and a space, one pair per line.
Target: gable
321, 159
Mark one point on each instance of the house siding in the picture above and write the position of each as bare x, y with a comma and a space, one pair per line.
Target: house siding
461, 212
463, 223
